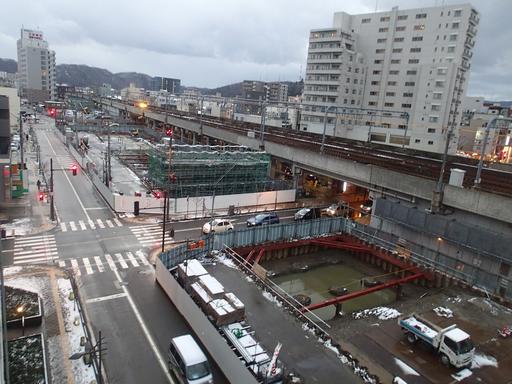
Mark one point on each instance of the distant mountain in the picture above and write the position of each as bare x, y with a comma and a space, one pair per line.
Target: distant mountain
8, 65
505, 104
83, 75
236, 89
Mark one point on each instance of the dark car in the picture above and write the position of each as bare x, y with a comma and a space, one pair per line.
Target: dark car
263, 219
307, 214
366, 207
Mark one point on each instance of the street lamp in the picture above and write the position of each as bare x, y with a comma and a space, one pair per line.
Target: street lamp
143, 105
21, 311
325, 126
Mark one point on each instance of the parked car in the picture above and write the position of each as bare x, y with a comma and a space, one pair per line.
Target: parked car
307, 214
218, 225
188, 362
263, 219
366, 207
333, 210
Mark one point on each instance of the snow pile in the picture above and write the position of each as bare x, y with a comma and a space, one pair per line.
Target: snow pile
405, 368
443, 312
382, 313
249, 279
461, 375
20, 227
271, 298
12, 270
455, 300
221, 258
398, 380
480, 360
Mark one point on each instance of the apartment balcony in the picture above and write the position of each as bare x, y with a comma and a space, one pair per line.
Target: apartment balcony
321, 82
324, 50
336, 60
336, 71
471, 31
324, 38
469, 43
320, 93
474, 19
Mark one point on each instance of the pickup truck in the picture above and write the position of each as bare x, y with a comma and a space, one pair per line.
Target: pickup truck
451, 343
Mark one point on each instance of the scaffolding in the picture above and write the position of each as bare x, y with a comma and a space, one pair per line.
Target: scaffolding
204, 170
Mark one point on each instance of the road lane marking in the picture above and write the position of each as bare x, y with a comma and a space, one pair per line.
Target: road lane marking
109, 223
67, 177
104, 298
34, 243
33, 258
149, 338
91, 223
142, 258
121, 260
119, 224
100, 223
76, 269
63, 227
73, 226
87, 266
132, 259
99, 263
35, 251
82, 225
110, 262
96, 208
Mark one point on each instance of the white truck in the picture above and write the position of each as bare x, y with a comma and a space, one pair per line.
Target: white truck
451, 343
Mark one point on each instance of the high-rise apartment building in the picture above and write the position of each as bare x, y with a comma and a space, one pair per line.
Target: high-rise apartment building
36, 67
395, 78
159, 83
274, 92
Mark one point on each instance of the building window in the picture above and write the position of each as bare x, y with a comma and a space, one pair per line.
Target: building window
397, 50
419, 27
417, 141
384, 18
417, 38
457, 13
375, 82
400, 28
383, 29
348, 79
430, 142
394, 72
389, 105
442, 71
435, 107
453, 37
380, 41
406, 105
421, 16
395, 61
414, 61
437, 96
374, 93
412, 72
372, 103
407, 94
366, 21
431, 130
409, 83
398, 39
380, 50
433, 119
377, 62
391, 83
415, 50
440, 84
455, 25
376, 72
352, 101
450, 49
402, 17
390, 94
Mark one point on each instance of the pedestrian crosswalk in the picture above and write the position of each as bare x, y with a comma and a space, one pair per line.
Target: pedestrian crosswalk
83, 225
106, 262
35, 249
150, 235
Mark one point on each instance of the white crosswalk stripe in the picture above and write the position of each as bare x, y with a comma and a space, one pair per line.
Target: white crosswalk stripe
150, 235
82, 225
35, 249
98, 264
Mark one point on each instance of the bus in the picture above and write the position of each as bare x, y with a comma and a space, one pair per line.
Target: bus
53, 106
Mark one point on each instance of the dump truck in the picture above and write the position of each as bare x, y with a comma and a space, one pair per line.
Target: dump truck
452, 344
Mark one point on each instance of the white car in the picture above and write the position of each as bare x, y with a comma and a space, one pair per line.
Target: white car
218, 225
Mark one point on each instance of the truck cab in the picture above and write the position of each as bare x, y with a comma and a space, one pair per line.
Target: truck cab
456, 348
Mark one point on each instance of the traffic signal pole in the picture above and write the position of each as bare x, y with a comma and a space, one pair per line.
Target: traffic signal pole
52, 203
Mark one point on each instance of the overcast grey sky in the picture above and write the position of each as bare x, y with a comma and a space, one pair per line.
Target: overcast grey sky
212, 43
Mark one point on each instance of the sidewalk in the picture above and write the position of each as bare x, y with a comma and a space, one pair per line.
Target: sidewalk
27, 215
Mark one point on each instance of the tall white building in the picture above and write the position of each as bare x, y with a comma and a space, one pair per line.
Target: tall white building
36, 67
395, 78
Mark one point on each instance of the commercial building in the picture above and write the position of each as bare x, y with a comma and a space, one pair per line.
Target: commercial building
273, 92
394, 77
14, 107
165, 83
36, 67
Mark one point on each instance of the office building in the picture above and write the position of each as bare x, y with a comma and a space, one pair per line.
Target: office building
273, 92
172, 86
36, 67
395, 78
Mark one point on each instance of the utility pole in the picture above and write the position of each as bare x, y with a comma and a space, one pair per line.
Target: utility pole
109, 165
52, 206
21, 144
201, 119
163, 225
262, 131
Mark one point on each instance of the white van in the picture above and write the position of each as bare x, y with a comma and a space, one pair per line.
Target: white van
188, 362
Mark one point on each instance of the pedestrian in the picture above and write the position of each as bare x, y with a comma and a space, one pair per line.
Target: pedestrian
38, 185
171, 232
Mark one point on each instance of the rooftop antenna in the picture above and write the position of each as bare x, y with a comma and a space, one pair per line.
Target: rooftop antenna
376, 5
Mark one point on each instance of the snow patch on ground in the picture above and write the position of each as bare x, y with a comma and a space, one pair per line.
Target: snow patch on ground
32, 284
20, 227
249, 279
221, 258
12, 270
480, 360
443, 312
455, 299
405, 368
461, 375
382, 313
398, 380
82, 374
272, 298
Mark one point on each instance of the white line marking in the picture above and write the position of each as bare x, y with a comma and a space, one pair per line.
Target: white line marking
121, 260
35, 255
82, 225
152, 343
91, 223
34, 244
100, 223
96, 208
73, 226
104, 298
35, 237
36, 260
87, 266
63, 227
34, 252
99, 263
62, 263
119, 224
109, 223
76, 269
67, 177
110, 262
142, 258
132, 259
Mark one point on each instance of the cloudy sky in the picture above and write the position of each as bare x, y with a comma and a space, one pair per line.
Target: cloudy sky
212, 43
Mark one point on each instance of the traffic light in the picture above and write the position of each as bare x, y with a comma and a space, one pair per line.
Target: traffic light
74, 169
51, 111
157, 194
169, 132
41, 196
